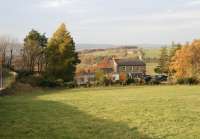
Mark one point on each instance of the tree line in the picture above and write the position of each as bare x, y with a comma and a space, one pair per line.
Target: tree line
181, 63
7, 48
47, 61
51, 61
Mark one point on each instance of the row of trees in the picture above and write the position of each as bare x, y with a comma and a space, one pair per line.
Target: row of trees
166, 58
181, 62
8, 46
186, 61
53, 58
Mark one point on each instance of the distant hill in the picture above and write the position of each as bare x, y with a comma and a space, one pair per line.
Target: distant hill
93, 46
151, 45
90, 54
105, 46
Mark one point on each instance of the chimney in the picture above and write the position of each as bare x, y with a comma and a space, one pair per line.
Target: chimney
140, 56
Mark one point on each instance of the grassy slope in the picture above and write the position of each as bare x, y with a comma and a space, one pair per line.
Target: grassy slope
9, 78
149, 52
171, 112
152, 52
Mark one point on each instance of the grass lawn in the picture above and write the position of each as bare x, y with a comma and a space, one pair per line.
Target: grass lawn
160, 112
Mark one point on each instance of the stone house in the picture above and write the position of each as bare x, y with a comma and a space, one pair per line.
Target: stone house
133, 68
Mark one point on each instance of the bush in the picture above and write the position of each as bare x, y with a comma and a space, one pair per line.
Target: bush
47, 83
70, 84
36, 80
189, 81
107, 82
41, 80
130, 81
24, 73
29, 79
59, 82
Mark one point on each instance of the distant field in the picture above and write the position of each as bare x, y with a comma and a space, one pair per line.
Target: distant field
152, 52
149, 53
150, 68
160, 112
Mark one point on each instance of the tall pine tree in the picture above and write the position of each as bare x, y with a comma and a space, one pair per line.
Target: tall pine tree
173, 50
163, 65
62, 58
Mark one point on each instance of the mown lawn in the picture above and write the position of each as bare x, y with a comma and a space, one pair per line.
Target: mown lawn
160, 112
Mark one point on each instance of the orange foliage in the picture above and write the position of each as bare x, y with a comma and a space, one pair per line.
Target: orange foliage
186, 62
105, 63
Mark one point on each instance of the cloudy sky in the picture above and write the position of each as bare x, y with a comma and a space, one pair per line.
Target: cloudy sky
105, 21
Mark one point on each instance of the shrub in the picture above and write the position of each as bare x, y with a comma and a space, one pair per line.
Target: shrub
130, 81
24, 73
47, 83
29, 79
70, 84
34, 80
59, 82
190, 81
107, 81
41, 80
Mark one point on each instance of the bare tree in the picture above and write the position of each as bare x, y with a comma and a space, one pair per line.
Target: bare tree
30, 54
4, 43
14, 45
7, 46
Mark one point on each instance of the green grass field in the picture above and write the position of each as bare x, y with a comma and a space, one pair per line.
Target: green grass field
160, 112
152, 52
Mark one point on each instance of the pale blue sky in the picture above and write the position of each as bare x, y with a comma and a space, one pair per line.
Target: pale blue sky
105, 21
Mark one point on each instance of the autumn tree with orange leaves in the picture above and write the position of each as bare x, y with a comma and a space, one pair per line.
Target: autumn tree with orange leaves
186, 62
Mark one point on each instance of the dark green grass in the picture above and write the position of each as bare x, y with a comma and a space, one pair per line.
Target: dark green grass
171, 112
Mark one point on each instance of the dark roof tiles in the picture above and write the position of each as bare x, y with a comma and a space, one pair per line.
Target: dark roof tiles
129, 62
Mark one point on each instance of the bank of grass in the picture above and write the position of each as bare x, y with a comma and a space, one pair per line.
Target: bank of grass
9, 78
149, 112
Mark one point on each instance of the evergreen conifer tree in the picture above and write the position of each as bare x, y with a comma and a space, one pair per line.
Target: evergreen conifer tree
62, 57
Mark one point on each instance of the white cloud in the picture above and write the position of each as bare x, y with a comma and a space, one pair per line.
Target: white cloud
182, 15
172, 22
55, 3
194, 3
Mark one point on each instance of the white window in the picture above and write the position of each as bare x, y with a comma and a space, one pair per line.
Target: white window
133, 68
123, 68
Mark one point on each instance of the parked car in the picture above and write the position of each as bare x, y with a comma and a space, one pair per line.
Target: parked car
147, 78
161, 78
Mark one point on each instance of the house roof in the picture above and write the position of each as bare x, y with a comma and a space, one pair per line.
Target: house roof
129, 62
85, 74
105, 64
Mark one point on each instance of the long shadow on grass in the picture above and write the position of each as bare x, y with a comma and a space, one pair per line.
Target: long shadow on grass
53, 120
